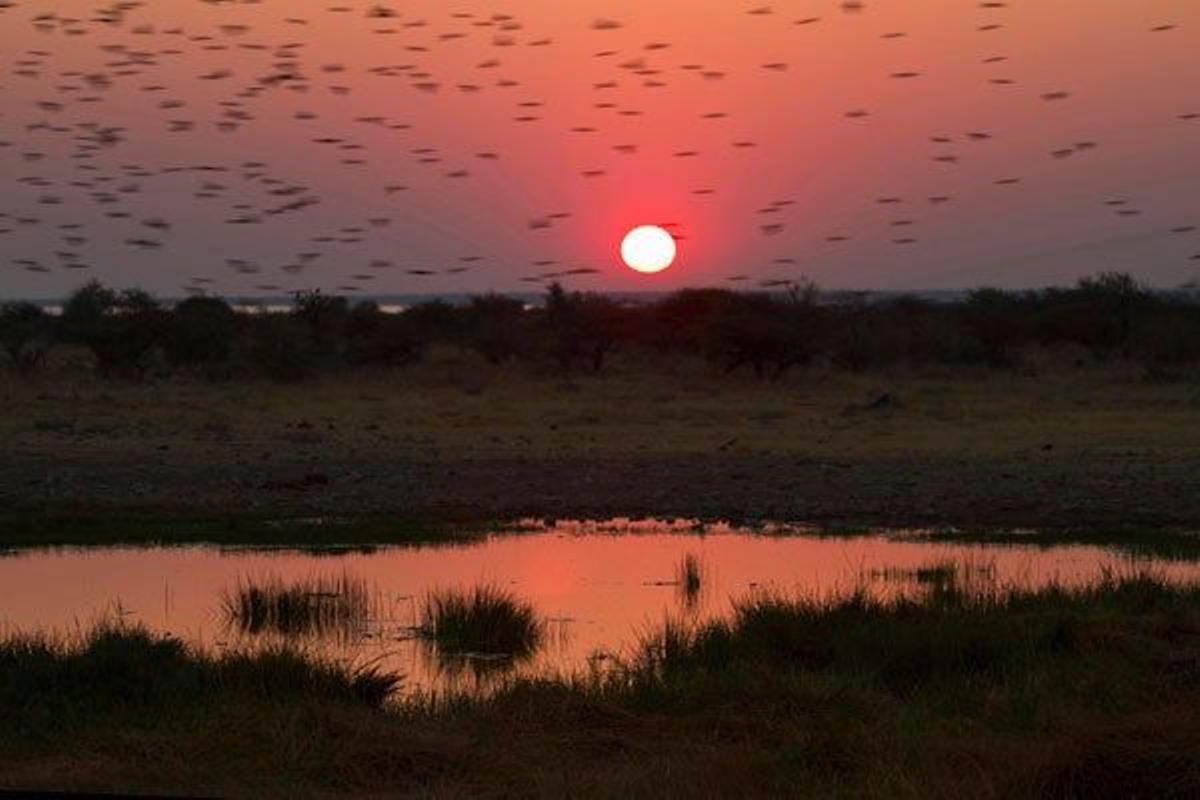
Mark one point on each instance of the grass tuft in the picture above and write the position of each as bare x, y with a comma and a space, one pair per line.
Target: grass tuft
116, 671
485, 619
689, 577
312, 606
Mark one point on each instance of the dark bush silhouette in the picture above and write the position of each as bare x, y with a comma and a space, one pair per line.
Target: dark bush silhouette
770, 333
1110, 315
379, 339
1099, 313
201, 331
434, 320
84, 312
681, 321
120, 328
494, 326
998, 323
281, 347
325, 315
581, 327
1167, 340
26, 332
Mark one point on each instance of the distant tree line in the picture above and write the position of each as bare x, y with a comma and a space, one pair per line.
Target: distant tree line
1105, 317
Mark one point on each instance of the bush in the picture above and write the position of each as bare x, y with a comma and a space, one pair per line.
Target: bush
1110, 315
324, 315
281, 347
201, 332
25, 334
1099, 313
375, 338
493, 325
681, 321
997, 322
1167, 340
581, 327
766, 332
119, 328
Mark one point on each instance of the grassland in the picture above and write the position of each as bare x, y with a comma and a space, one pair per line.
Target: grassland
434, 450
1093, 693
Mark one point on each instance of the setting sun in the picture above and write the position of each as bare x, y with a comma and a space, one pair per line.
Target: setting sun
648, 248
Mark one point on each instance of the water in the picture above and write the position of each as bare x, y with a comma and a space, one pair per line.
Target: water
597, 586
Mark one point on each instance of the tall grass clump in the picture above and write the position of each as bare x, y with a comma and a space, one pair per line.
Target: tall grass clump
484, 619
311, 606
689, 577
903, 643
47, 683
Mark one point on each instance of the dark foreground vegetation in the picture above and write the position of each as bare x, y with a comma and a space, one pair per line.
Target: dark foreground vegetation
1093, 693
131, 335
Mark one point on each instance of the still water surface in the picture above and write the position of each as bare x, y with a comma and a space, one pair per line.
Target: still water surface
596, 586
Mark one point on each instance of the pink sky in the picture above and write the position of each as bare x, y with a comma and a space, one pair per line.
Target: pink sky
784, 87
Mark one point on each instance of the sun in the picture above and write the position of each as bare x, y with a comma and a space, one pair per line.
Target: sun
648, 248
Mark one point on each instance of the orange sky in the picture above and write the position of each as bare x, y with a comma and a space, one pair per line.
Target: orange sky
1129, 89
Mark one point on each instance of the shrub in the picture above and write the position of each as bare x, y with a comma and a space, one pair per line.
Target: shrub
25, 334
1166, 340
681, 321
379, 339
281, 347
766, 332
997, 322
324, 315
434, 320
84, 312
581, 327
1099, 313
493, 326
120, 328
200, 332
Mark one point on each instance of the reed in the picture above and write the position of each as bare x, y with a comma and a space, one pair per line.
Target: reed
484, 619
315, 605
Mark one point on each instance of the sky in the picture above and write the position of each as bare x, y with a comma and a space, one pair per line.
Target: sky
265, 146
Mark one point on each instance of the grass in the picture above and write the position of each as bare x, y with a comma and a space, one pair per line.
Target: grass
940, 575
317, 605
1177, 544
688, 406
689, 577
1055, 693
483, 620
51, 686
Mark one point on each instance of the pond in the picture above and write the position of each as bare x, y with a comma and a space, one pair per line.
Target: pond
596, 587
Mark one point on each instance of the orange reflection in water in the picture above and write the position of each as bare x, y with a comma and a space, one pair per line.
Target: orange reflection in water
597, 585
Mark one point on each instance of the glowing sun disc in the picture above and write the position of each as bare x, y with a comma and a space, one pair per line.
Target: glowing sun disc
648, 248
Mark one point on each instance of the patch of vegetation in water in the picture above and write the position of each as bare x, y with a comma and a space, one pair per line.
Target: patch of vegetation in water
484, 619
1168, 544
689, 578
316, 605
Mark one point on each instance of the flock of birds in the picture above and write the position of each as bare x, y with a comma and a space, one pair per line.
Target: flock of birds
109, 107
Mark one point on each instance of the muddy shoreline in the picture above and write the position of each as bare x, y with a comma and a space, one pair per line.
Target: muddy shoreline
1037, 490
